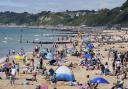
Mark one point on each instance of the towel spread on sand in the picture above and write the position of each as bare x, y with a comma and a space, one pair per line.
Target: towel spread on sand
44, 87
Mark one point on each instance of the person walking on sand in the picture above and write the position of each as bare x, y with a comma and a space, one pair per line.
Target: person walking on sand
12, 76
54, 81
17, 67
34, 75
41, 63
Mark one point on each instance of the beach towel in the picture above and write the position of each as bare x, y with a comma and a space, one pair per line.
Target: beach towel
44, 87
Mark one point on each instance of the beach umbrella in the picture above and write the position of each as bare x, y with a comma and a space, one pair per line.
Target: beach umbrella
18, 57
5, 65
88, 56
50, 56
99, 80
86, 39
90, 46
63, 73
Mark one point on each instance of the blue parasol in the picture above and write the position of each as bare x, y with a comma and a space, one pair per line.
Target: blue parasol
5, 66
99, 80
90, 46
88, 56
50, 56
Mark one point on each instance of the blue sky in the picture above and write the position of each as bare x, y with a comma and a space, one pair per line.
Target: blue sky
35, 6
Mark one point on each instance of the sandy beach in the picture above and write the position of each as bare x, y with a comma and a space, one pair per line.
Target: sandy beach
80, 72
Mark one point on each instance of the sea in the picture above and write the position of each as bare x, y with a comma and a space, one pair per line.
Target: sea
10, 38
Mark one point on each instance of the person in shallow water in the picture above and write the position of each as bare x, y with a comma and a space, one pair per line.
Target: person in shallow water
7, 58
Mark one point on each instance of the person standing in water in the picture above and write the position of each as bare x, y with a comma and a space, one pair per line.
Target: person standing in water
7, 58
13, 51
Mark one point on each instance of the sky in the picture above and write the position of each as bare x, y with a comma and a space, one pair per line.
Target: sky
35, 6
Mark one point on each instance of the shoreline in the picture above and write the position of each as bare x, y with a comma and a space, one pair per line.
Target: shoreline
3, 59
63, 28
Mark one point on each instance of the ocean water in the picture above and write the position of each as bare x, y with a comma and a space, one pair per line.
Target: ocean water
10, 38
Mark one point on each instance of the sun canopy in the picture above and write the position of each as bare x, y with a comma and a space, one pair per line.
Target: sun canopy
88, 56
50, 56
90, 46
63, 73
99, 80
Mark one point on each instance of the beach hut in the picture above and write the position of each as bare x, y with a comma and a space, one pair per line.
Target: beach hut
49, 56
99, 80
63, 73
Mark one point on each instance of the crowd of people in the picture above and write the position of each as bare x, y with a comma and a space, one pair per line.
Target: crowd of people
88, 59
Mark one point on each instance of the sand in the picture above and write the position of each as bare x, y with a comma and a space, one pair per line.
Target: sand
79, 72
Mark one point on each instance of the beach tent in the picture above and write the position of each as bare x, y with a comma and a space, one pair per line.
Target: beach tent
88, 56
63, 73
18, 57
99, 80
49, 56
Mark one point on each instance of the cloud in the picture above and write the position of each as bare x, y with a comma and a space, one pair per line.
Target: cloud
8, 3
110, 3
35, 6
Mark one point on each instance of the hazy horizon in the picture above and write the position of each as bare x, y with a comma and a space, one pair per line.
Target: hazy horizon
37, 6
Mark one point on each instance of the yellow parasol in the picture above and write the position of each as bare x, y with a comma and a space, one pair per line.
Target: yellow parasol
18, 57
27, 60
